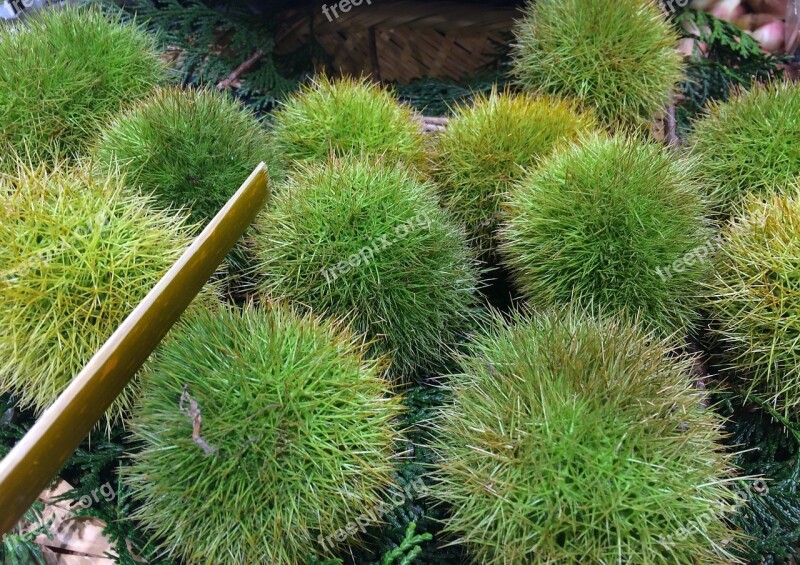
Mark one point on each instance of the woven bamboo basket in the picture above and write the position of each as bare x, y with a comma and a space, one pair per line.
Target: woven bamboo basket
401, 41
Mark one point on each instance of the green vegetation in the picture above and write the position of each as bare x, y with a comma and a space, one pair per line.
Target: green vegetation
751, 143
724, 57
573, 440
754, 298
64, 72
615, 224
617, 57
488, 145
367, 241
189, 148
263, 433
78, 253
340, 117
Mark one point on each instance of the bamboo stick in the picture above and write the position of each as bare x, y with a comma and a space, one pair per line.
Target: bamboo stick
32, 464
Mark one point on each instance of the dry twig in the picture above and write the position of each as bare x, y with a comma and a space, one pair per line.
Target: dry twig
193, 412
240, 70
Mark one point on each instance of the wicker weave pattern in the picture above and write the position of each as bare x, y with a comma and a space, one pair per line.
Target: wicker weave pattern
411, 39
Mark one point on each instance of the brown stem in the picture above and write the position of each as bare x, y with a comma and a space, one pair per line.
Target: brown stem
193, 412
240, 70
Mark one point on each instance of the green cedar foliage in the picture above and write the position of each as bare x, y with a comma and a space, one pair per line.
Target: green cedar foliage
733, 58
769, 447
214, 38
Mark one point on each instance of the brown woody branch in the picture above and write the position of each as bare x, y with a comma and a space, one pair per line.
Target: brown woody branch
240, 70
193, 412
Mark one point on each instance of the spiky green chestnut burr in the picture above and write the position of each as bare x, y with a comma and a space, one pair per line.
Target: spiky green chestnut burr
368, 241
64, 72
262, 433
190, 148
754, 297
77, 255
488, 145
751, 143
615, 224
572, 440
345, 116
618, 57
